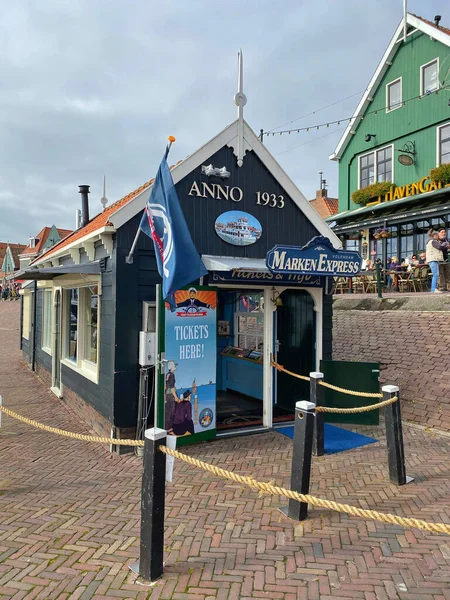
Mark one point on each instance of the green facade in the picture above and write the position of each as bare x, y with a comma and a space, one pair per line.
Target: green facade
416, 121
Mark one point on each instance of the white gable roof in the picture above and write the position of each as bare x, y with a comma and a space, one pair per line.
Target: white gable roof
394, 44
229, 136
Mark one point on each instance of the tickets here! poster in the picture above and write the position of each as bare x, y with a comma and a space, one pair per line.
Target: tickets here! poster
191, 349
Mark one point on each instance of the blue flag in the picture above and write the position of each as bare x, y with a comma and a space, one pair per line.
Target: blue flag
179, 263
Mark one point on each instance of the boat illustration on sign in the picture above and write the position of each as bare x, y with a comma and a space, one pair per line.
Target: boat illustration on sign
238, 228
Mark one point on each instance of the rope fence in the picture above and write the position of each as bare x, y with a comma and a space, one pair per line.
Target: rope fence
71, 434
358, 409
274, 490
280, 368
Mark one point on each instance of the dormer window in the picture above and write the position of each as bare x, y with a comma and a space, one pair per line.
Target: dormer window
429, 80
394, 94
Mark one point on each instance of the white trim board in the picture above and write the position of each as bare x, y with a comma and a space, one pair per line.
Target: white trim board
229, 136
380, 71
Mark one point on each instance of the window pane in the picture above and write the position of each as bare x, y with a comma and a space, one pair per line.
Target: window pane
366, 169
444, 150
394, 95
91, 324
72, 334
430, 78
384, 164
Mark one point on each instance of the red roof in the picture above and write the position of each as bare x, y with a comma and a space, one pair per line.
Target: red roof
325, 207
42, 237
443, 29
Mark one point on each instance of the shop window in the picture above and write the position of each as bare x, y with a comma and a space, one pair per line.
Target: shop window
249, 322
47, 321
407, 240
352, 245
81, 338
392, 243
422, 228
429, 81
376, 166
26, 315
394, 95
444, 144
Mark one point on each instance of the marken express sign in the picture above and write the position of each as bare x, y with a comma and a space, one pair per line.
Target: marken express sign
318, 257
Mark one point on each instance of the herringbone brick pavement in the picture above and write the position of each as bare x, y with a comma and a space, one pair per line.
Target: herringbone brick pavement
69, 515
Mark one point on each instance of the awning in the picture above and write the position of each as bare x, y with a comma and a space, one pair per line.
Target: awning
232, 263
93, 268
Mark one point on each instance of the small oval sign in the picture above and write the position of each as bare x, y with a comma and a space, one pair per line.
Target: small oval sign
238, 228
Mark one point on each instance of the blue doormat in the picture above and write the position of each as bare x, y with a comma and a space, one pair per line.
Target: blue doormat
336, 438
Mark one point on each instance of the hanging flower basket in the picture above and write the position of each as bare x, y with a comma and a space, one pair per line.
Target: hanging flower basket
381, 233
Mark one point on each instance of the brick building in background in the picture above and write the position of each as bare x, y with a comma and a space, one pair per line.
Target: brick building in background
9, 258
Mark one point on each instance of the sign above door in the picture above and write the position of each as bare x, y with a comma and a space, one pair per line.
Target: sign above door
317, 257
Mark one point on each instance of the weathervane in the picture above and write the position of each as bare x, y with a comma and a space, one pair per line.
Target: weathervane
240, 100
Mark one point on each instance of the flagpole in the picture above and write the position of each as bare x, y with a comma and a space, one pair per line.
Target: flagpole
129, 258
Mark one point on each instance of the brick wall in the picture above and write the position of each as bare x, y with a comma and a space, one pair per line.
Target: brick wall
413, 349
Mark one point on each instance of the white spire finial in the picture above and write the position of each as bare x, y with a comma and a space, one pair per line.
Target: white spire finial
104, 199
240, 100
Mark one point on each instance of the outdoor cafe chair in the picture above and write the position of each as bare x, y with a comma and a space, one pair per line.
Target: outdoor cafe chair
342, 284
405, 281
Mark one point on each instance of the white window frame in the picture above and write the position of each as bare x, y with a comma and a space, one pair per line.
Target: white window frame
422, 92
438, 142
388, 85
47, 291
375, 163
84, 367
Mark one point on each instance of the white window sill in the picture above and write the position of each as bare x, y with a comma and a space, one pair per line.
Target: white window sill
388, 110
83, 370
47, 350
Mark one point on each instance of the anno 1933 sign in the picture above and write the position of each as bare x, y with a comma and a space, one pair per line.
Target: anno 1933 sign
317, 257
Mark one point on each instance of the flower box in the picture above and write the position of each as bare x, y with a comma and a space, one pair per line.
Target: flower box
441, 174
371, 192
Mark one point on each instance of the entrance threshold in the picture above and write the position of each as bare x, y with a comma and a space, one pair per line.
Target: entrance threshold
242, 431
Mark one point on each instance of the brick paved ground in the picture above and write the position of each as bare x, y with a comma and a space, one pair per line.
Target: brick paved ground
69, 515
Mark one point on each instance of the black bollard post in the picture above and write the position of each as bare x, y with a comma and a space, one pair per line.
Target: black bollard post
379, 286
316, 397
394, 437
151, 553
301, 458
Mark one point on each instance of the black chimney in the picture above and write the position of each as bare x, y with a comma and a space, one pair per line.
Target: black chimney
84, 191
437, 20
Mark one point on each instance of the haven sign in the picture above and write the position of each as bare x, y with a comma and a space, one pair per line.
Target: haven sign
318, 257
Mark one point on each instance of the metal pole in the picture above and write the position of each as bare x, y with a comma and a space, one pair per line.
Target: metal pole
379, 286
151, 554
301, 458
394, 437
316, 397
129, 258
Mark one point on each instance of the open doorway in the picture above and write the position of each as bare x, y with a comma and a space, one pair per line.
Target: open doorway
240, 359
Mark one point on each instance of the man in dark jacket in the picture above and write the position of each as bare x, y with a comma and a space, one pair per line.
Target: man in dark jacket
444, 268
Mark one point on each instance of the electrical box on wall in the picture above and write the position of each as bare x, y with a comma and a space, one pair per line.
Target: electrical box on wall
149, 316
147, 348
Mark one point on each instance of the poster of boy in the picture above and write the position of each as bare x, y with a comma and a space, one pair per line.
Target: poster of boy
190, 380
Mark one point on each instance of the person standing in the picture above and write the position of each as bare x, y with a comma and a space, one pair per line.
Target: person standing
444, 266
435, 256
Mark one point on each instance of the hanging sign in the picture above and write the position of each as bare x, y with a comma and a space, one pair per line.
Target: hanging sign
238, 228
318, 257
190, 377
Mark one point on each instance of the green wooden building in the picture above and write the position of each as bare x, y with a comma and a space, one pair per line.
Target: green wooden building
399, 132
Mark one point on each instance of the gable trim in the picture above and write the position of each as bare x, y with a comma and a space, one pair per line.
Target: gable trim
229, 137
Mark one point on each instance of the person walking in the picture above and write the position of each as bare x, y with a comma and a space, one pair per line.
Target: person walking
444, 266
435, 256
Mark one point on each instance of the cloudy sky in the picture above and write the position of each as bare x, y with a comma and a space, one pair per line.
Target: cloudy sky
89, 88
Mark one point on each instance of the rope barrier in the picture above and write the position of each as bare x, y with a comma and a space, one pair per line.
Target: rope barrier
283, 370
264, 487
360, 409
328, 385
70, 434
351, 392
274, 490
